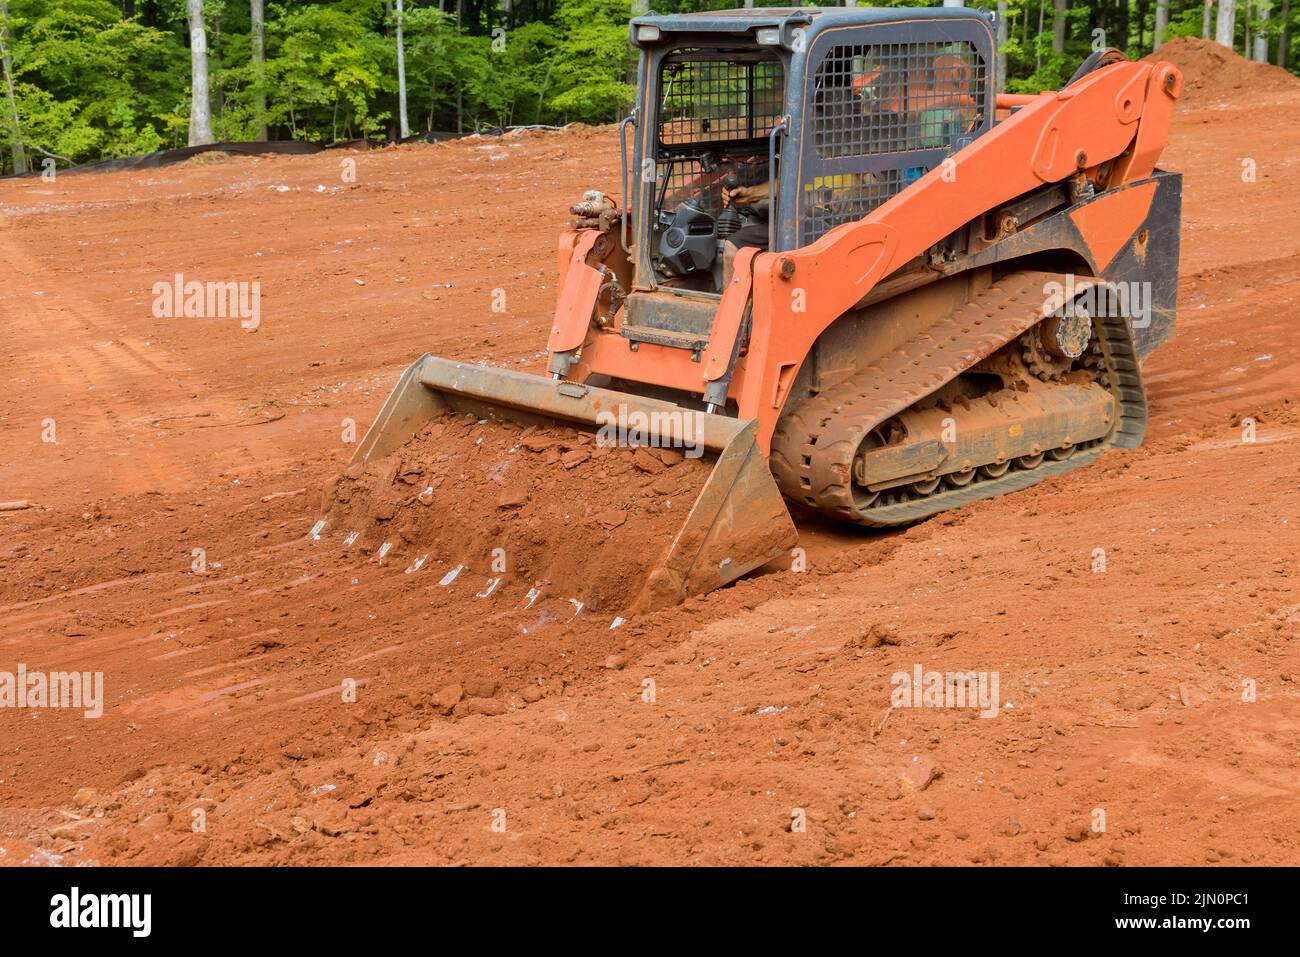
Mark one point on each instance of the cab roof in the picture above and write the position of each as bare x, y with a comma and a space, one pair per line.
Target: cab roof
743, 20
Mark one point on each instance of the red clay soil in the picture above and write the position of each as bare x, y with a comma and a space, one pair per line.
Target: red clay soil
553, 510
274, 698
1213, 75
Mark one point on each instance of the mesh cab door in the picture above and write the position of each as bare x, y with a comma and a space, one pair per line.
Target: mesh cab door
882, 107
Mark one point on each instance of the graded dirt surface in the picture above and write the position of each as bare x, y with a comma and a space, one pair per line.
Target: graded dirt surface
273, 697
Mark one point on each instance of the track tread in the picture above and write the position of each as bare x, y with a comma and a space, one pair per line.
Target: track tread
814, 445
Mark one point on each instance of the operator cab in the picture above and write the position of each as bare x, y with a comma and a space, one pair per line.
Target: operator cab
717, 111
826, 113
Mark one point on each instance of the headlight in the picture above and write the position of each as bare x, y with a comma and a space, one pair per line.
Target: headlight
647, 34
769, 36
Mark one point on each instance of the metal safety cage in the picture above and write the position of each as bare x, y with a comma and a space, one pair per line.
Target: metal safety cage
711, 101
881, 106
701, 95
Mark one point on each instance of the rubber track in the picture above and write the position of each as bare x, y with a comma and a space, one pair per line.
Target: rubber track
815, 444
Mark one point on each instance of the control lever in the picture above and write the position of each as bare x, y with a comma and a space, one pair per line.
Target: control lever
729, 220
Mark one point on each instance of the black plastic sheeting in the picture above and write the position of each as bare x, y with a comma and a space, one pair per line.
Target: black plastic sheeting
433, 136
160, 158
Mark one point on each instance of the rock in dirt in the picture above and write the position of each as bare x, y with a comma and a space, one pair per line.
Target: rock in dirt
480, 687
513, 498
919, 774
1074, 833
447, 697
647, 461
875, 636
539, 442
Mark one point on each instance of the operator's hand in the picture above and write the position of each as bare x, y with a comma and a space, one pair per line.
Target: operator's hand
744, 195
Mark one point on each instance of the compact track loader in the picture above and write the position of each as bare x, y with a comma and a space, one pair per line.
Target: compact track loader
931, 294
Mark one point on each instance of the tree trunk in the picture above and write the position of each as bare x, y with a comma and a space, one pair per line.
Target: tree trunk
404, 126
1225, 30
541, 95
1002, 46
1059, 25
259, 69
1260, 51
200, 109
460, 87
17, 149
1038, 55
1284, 38
1207, 14
214, 59
1162, 23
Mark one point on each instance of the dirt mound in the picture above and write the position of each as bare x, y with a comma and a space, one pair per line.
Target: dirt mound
1214, 74
546, 508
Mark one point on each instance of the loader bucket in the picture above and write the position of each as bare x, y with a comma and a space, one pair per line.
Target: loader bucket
737, 522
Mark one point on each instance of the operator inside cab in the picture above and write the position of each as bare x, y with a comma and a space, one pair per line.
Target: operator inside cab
836, 94
754, 200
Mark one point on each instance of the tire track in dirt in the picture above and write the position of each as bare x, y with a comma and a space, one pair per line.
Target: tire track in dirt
92, 387
109, 398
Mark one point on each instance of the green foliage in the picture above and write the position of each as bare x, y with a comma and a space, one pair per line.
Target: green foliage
1048, 70
1187, 23
91, 81
593, 64
328, 71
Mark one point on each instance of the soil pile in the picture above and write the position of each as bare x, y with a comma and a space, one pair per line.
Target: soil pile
1213, 74
548, 507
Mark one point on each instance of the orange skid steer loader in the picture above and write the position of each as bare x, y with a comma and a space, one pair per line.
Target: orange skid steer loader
865, 283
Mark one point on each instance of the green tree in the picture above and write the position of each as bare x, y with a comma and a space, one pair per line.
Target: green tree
90, 83
328, 70
591, 65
